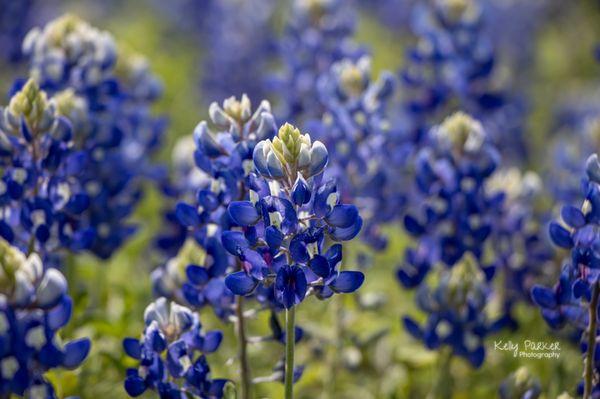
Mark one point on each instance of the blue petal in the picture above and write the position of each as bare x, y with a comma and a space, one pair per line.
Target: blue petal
274, 237
59, 315
212, 340
198, 275
240, 283
560, 235
187, 215
260, 161
78, 203
274, 166
320, 266
234, 241
543, 297
413, 328
132, 348
347, 281
290, 286
205, 141
208, 200
477, 357
572, 216
75, 353
346, 234
413, 226
135, 385
342, 216
592, 168
321, 207
298, 251
243, 213
300, 192
318, 158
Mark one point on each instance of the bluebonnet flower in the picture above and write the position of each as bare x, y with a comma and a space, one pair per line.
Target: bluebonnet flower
577, 134
239, 44
171, 355
521, 251
286, 222
318, 33
108, 99
455, 308
453, 65
455, 215
34, 305
462, 213
369, 154
284, 230
573, 300
186, 280
223, 161
37, 192
520, 385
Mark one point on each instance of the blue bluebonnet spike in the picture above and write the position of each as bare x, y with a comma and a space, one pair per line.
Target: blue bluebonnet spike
172, 348
317, 34
570, 302
292, 226
111, 138
453, 64
34, 305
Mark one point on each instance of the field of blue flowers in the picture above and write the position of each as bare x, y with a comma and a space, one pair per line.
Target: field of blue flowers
333, 199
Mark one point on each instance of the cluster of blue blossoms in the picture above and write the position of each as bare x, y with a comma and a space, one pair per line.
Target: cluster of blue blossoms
454, 65
286, 221
467, 215
368, 154
171, 355
37, 199
239, 45
107, 100
318, 33
453, 226
222, 161
34, 306
573, 301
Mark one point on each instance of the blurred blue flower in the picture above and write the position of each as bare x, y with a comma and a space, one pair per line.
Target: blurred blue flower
369, 153
455, 309
34, 305
107, 99
453, 67
238, 42
39, 192
318, 33
171, 354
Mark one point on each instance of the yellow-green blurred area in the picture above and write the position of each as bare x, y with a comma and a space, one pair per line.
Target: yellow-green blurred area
355, 348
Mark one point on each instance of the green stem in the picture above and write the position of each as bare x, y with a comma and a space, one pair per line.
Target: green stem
337, 347
591, 344
290, 338
443, 385
242, 348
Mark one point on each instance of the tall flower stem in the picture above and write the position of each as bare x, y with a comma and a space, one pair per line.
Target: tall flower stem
242, 348
591, 344
443, 385
290, 338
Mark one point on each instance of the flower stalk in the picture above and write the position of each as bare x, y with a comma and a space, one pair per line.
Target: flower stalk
290, 316
243, 348
588, 376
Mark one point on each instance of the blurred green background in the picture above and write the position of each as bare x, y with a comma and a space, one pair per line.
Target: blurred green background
374, 358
